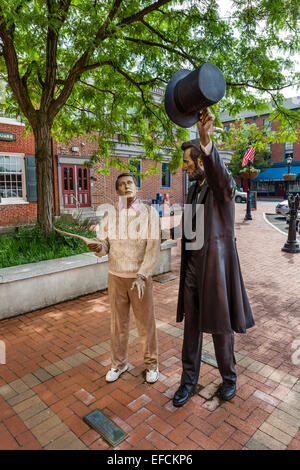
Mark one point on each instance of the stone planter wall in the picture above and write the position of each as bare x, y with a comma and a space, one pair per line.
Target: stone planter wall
34, 286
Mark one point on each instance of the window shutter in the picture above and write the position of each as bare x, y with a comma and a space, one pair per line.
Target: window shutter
31, 183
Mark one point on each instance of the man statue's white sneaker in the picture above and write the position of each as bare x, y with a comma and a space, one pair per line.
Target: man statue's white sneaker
114, 374
152, 376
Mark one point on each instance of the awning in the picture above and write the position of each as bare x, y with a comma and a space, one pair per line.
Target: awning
275, 174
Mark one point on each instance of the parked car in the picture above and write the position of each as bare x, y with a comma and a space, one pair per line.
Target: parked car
282, 208
240, 195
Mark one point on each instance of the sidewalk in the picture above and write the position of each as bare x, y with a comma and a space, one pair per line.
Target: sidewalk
57, 358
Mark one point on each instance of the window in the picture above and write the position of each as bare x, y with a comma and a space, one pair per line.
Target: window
137, 165
267, 126
11, 177
289, 150
165, 175
226, 128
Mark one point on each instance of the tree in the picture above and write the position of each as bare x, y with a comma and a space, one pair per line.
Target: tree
87, 65
239, 138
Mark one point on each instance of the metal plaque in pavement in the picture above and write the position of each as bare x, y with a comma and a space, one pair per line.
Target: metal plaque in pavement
109, 430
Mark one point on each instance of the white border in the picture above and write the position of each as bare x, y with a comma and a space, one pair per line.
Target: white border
276, 228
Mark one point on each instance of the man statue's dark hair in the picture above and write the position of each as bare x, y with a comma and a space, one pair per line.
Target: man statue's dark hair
126, 173
195, 150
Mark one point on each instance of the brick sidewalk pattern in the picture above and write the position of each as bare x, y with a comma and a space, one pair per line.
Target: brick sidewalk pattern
57, 358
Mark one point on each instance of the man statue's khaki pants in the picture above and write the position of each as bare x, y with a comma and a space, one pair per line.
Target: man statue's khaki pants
121, 297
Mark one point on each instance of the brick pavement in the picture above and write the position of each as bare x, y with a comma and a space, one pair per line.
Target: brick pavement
57, 359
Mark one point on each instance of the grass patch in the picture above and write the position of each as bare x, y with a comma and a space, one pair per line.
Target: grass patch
30, 244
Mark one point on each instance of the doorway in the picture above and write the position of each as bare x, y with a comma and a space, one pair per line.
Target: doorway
76, 188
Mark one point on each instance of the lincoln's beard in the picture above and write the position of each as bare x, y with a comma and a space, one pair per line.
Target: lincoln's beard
197, 175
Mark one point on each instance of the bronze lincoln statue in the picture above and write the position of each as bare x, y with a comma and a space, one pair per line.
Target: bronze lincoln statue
212, 296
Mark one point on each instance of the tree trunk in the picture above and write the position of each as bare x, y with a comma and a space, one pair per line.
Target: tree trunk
44, 174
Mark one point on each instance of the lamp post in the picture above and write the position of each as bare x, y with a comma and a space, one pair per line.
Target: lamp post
291, 245
248, 215
287, 181
249, 173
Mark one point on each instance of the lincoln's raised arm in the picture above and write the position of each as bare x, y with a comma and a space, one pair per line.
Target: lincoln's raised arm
217, 175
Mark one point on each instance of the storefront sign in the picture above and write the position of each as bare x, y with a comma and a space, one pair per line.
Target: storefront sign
9, 136
253, 199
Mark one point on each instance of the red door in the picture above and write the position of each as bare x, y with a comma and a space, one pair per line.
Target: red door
83, 186
75, 186
68, 185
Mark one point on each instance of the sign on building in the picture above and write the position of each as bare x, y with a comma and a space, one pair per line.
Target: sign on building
9, 136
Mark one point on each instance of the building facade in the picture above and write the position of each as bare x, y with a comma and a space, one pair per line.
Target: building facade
270, 182
17, 167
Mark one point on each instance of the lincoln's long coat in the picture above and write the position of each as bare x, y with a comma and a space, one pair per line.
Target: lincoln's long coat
223, 302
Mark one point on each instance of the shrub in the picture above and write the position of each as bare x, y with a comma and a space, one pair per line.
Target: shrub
30, 244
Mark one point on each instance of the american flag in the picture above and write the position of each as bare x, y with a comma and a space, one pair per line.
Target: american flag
249, 155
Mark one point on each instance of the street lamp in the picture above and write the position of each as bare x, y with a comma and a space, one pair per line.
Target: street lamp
249, 174
287, 184
291, 245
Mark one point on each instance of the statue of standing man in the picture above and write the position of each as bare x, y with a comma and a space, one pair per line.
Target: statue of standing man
129, 234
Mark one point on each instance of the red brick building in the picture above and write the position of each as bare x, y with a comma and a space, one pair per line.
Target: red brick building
17, 197
270, 182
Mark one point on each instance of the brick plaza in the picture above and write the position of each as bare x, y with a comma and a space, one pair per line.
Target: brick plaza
57, 358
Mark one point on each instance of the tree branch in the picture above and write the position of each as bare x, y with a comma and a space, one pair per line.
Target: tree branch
153, 30
101, 32
139, 15
138, 85
80, 65
96, 65
162, 46
27, 73
51, 50
96, 88
84, 110
250, 85
18, 86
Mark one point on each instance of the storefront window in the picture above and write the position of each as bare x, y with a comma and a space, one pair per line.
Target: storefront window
11, 177
265, 187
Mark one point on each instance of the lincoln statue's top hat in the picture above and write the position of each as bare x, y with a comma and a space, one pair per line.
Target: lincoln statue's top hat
189, 92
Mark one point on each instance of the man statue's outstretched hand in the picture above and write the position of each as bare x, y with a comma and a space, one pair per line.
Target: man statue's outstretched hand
93, 244
205, 126
139, 283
